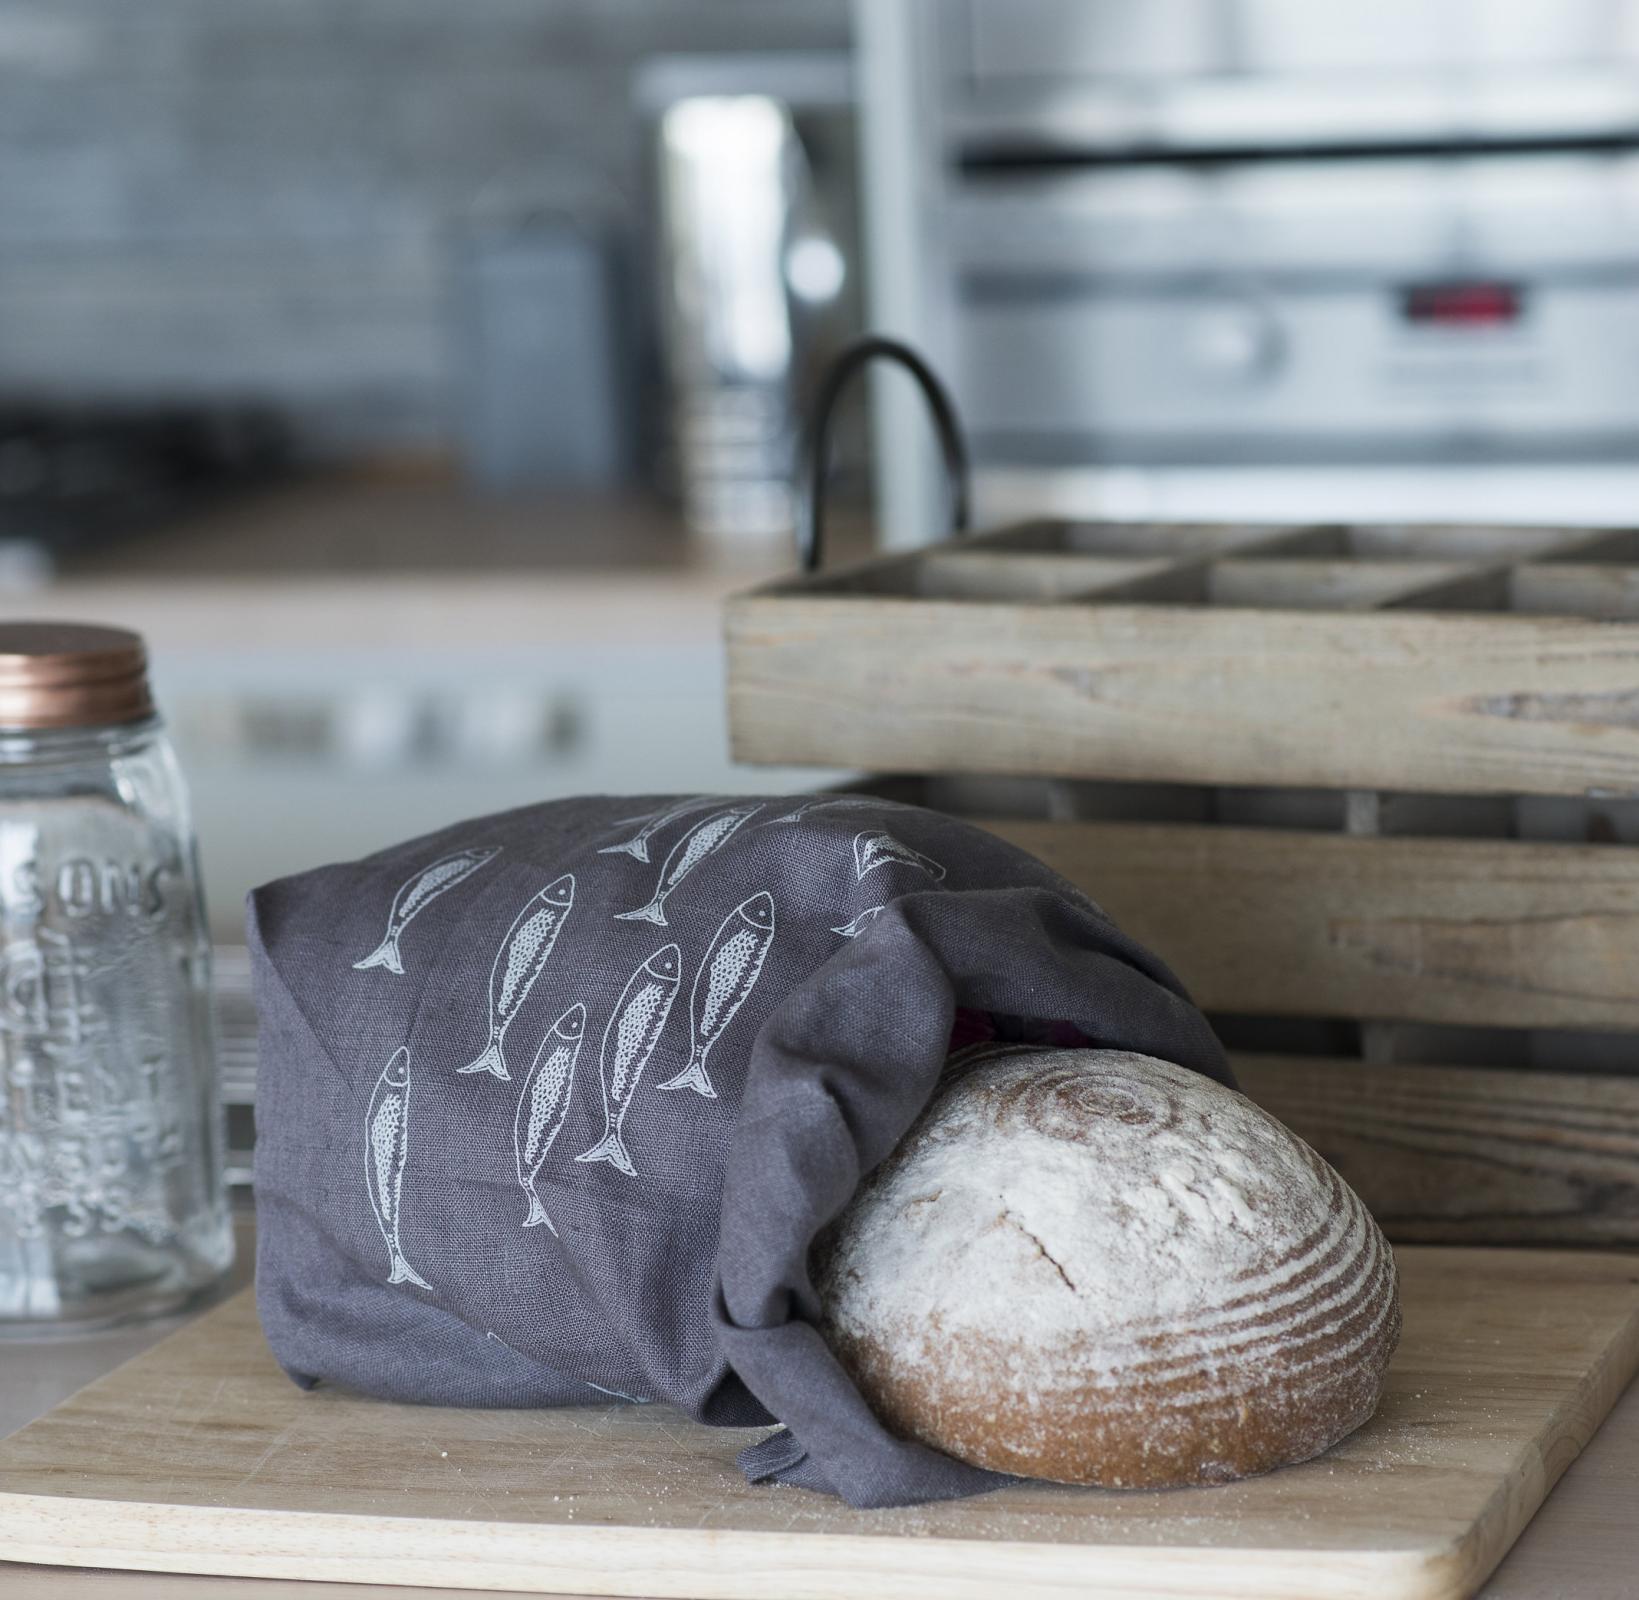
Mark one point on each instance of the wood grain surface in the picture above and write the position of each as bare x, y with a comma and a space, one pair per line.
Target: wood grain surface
199, 1456
1486, 932
1455, 701
1468, 1154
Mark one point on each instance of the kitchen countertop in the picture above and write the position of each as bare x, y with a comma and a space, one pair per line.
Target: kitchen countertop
1582, 1544
412, 515
355, 657
374, 560
391, 560
402, 558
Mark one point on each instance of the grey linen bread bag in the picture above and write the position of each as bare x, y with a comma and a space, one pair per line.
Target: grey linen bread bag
551, 1104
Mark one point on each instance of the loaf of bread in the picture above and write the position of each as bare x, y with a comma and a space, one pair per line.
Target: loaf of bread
1100, 1268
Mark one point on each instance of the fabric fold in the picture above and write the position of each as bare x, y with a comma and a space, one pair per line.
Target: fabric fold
815, 1121
576, 1145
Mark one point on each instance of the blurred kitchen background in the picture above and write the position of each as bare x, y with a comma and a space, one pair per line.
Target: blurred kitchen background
418, 376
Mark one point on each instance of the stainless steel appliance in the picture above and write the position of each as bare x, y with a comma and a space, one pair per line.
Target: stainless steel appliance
1156, 239
756, 258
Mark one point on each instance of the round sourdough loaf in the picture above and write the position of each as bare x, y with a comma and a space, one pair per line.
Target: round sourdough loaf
1101, 1268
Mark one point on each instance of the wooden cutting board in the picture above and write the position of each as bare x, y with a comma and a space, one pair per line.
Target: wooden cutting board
199, 1456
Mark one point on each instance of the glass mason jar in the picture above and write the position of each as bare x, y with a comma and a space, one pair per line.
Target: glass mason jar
112, 1203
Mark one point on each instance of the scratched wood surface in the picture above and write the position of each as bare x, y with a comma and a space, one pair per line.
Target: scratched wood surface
200, 1457
1457, 660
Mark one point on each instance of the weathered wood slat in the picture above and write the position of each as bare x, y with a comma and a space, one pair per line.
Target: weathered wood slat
1178, 539
1576, 590
1465, 541
1468, 1155
1020, 575
1318, 583
1485, 932
1456, 703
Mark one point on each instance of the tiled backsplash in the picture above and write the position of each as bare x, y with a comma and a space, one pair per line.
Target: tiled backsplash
262, 200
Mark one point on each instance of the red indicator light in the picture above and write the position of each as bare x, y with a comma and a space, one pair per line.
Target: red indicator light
1462, 305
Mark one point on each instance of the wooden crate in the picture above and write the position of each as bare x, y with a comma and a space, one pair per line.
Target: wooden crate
1374, 793
1449, 660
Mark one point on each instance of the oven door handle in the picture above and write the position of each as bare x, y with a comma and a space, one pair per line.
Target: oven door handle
815, 459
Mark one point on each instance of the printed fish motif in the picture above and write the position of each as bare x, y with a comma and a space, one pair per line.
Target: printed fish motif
544, 1103
731, 965
387, 1144
634, 1028
518, 964
418, 892
618, 1394
637, 847
708, 835
794, 815
852, 930
817, 803
873, 850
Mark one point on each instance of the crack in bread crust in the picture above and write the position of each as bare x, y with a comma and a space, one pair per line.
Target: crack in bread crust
1220, 1301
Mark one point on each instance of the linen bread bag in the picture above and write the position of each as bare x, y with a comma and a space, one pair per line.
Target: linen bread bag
551, 1105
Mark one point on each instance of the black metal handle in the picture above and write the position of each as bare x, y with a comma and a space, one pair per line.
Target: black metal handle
816, 439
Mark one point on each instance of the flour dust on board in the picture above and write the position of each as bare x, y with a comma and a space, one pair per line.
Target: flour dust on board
518, 963
387, 1147
415, 894
727, 973
543, 1105
635, 1026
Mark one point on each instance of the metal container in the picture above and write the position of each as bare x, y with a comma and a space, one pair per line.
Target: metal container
757, 257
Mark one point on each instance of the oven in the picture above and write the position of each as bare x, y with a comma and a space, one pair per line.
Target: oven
1169, 249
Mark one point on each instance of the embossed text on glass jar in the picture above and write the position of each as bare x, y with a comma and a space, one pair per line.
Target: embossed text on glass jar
111, 1198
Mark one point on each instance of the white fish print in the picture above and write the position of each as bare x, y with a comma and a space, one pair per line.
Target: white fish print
873, 850
818, 803
418, 892
618, 1394
543, 1104
706, 836
518, 964
732, 962
796, 814
634, 1028
387, 1144
852, 930
637, 847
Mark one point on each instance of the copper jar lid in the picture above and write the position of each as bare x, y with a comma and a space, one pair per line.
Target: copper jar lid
71, 675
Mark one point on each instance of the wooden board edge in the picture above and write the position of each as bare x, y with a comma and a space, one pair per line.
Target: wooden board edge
1574, 1423
631, 1559
680, 1564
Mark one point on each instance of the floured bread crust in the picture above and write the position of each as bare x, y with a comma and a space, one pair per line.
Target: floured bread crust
1100, 1268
